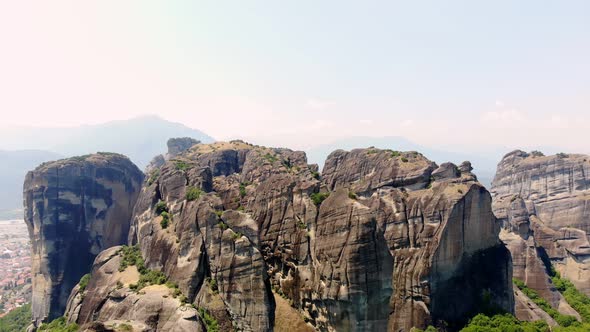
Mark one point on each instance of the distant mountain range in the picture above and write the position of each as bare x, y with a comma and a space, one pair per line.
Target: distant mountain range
23, 148
140, 138
13, 168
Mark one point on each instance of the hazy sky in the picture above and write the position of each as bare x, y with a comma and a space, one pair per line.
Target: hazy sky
455, 73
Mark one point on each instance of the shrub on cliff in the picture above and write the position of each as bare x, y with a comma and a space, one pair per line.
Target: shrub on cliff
318, 198
161, 207
84, 282
210, 321
59, 325
193, 193
131, 256
165, 220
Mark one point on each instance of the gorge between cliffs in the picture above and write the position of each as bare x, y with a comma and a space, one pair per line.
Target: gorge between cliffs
231, 236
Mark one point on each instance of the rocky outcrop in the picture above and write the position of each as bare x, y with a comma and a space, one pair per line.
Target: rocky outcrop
544, 204
112, 303
178, 145
381, 241
74, 209
175, 147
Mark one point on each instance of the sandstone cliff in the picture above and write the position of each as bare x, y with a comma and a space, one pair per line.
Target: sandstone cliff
544, 204
74, 209
175, 147
382, 240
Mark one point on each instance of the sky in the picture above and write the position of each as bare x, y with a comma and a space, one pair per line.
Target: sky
440, 73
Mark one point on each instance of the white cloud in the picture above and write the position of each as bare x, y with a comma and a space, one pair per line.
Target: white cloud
366, 122
499, 103
318, 104
320, 124
504, 116
407, 123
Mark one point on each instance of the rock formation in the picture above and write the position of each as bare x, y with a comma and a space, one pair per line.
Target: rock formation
154, 308
544, 204
175, 147
381, 241
74, 209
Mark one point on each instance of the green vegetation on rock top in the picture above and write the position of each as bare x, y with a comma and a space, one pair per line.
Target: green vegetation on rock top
84, 282
193, 193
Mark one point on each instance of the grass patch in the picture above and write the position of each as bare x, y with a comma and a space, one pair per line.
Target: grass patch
212, 282
59, 325
131, 256
352, 195
124, 327
154, 175
395, 154
210, 322
193, 193
318, 198
147, 278
236, 235
84, 282
404, 159
182, 165
269, 157
315, 175
243, 189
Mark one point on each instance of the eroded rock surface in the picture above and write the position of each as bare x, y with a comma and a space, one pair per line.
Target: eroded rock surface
108, 302
544, 204
382, 241
175, 147
74, 209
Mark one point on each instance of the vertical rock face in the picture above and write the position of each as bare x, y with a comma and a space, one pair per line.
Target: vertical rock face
544, 204
382, 241
176, 146
180, 144
399, 238
74, 209
112, 304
